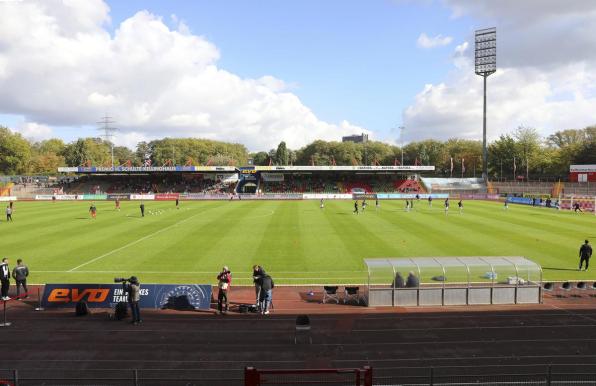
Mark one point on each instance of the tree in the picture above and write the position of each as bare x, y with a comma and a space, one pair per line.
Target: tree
94, 150
260, 159
282, 156
528, 143
15, 152
500, 157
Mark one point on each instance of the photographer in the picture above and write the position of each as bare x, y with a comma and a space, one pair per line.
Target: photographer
133, 289
223, 283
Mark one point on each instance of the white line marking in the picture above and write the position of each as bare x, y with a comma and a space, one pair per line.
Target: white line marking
134, 242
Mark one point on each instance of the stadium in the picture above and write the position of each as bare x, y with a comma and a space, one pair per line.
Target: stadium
246, 211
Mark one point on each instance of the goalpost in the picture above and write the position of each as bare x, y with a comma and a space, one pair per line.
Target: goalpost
586, 203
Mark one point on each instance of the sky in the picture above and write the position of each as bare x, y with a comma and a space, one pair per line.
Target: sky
261, 72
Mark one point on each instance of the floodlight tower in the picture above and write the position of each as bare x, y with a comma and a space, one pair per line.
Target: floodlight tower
108, 132
485, 65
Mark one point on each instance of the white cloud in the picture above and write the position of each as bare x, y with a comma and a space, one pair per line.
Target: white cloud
34, 131
430, 42
59, 66
545, 51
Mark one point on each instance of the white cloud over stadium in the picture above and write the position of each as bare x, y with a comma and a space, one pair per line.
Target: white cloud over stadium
545, 56
60, 66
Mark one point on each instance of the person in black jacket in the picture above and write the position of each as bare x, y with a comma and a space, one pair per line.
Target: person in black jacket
266, 297
142, 206
412, 281
257, 272
585, 252
4, 279
399, 281
19, 274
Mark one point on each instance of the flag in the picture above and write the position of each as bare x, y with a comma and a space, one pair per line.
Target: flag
463, 167
452, 165
514, 168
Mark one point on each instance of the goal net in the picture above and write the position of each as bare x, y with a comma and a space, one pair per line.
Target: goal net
586, 203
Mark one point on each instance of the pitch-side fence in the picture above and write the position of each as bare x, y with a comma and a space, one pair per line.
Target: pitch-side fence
495, 375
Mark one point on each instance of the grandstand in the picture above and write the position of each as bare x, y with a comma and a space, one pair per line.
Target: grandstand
245, 180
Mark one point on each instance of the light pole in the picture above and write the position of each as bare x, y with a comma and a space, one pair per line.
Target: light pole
401, 139
485, 65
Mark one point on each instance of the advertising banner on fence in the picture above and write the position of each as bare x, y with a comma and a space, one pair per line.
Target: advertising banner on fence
204, 196
119, 196
364, 196
326, 196
182, 296
408, 196
271, 196
478, 196
166, 196
61, 197
520, 200
142, 197
95, 196
8, 198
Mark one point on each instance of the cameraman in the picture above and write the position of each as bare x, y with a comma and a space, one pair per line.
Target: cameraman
134, 296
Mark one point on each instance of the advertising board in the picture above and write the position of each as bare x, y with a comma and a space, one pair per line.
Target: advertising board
148, 197
166, 196
189, 296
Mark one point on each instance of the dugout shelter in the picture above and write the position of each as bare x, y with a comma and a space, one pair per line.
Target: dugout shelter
447, 281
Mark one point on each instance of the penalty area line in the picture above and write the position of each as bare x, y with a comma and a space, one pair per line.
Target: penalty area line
132, 243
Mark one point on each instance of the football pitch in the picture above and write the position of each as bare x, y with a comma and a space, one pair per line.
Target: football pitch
296, 241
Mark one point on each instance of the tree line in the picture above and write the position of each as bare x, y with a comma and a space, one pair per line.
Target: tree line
522, 153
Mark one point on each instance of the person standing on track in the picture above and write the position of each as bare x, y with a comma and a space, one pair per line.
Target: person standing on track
257, 272
4, 279
585, 252
223, 283
19, 274
266, 297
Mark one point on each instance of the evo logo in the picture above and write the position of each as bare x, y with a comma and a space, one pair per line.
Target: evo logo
67, 295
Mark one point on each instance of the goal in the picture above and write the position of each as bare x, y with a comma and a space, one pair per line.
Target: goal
586, 203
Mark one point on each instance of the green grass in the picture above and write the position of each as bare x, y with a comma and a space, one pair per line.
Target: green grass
294, 240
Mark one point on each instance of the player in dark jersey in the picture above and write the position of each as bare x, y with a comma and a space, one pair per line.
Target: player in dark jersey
446, 205
142, 207
355, 207
577, 208
460, 205
177, 203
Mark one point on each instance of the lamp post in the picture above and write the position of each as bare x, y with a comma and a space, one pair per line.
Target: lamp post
401, 139
485, 65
